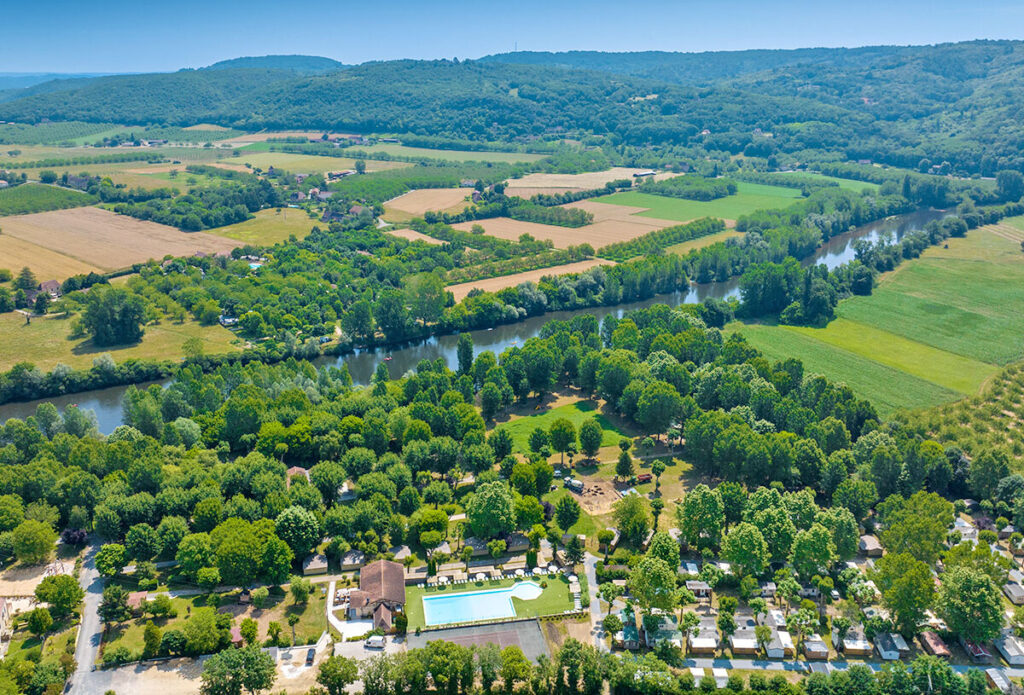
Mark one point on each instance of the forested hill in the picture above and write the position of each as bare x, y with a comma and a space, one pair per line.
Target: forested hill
309, 65
898, 105
700, 68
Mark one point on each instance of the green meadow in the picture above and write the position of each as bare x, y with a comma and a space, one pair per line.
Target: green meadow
934, 330
749, 198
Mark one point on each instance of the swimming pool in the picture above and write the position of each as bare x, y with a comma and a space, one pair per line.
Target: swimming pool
468, 606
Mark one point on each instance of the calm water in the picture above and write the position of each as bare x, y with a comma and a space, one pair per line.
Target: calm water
106, 403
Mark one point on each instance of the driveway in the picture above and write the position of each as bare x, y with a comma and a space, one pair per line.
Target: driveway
596, 616
346, 628
84, 681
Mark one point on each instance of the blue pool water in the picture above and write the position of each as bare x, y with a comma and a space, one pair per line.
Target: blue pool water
492, 604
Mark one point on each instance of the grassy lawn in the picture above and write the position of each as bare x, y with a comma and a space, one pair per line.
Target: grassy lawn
269, 227
586, 524
45, 342
887, 388
451, 155
555, 599
312, 619
521, 427
60, 640
750, 197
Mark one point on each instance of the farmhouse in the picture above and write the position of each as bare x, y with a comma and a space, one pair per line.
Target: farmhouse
381, 593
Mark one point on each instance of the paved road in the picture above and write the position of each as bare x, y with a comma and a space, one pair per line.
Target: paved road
596, 617
90, 632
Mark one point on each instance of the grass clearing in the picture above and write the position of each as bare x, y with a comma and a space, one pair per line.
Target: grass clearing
749, 198
521, 427
269, 227
449, 155
45, 342
555, 598
694, 244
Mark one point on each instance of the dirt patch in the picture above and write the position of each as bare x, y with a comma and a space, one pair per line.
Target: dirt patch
21, 580
413, 235
107, 240
598, 496
428, 199
499, 283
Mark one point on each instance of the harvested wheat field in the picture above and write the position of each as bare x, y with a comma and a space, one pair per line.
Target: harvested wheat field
106, 240
413, 235
612, 223
500, 283
46, 264
427, 200
534, 184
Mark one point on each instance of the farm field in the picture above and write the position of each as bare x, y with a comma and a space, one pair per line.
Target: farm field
107, 240
412, 235
46, 264
848, 184
500, 283
450, 155
751, 197
416, 202
45, 342
34, 197
693, 244
307, 163
887, 388
935, 329
532, 184
268, 227
612, 223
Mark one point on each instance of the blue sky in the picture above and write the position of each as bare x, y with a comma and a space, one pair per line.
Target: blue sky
122, 36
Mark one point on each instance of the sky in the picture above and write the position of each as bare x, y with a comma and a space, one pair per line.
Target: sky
146, 36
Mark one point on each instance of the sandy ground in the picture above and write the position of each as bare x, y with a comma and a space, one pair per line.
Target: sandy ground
107, 240
20, 580
598, 496
532, 184
498, 283
413, 235
428, 199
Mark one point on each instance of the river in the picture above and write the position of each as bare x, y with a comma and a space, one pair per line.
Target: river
106, 403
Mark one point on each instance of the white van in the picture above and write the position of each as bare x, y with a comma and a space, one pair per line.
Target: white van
376, 642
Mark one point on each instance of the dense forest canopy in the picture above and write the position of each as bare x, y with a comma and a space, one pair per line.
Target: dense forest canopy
897, 105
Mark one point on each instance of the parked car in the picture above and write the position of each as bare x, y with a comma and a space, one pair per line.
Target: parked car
310, 656
375, 642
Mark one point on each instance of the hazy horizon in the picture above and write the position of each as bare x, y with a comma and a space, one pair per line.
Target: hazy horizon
118, 36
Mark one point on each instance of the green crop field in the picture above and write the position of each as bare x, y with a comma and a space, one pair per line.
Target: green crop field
450, 155
749, 198
31, 197
269, 227
576, 413
849, 184
934, 330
